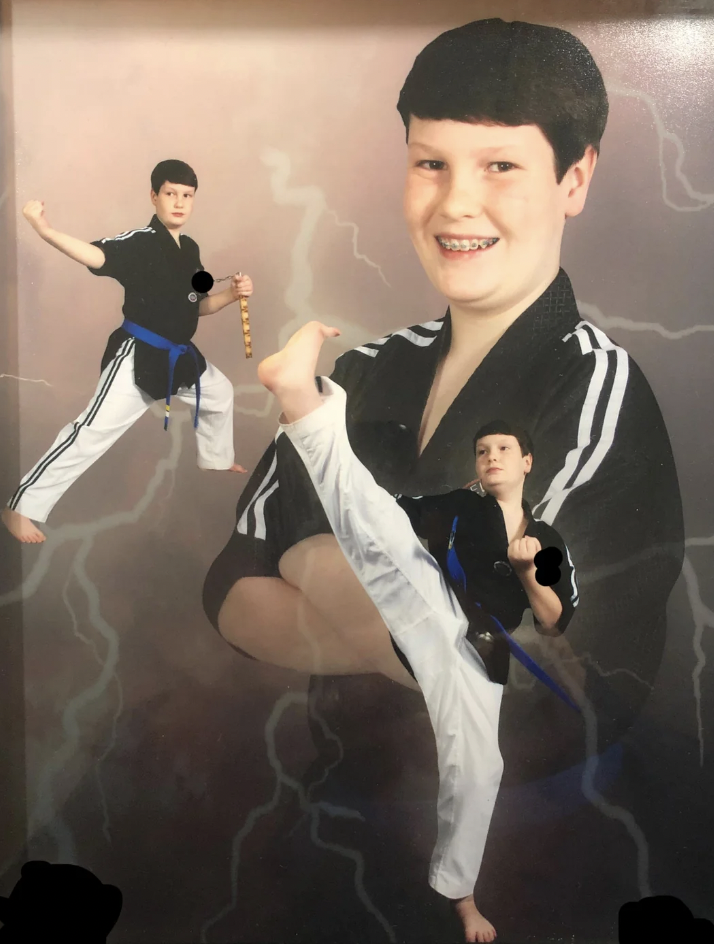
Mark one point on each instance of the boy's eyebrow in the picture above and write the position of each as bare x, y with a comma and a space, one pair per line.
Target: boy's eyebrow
491, 150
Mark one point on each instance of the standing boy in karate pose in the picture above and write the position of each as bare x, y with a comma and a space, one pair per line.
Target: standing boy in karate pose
150, 357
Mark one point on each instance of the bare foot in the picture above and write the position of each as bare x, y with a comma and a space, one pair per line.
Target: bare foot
233, 468
21, 527
476, 927
290, 374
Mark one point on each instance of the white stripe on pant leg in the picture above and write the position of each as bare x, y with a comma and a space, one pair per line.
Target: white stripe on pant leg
116, 406
69, 432
214, 435
408, 588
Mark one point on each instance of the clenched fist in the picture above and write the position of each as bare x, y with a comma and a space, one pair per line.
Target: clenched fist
241, 285
34, 213
521, 553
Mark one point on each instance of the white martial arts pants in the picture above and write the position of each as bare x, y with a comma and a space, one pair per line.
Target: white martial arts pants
427, 623
116, 405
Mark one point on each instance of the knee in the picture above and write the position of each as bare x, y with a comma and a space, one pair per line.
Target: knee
233, 620
317, 556
226, 395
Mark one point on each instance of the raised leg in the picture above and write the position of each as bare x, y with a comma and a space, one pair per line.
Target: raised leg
275, 622
409, 590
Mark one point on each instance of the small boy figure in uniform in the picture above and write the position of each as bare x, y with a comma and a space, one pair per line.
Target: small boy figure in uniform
149, 357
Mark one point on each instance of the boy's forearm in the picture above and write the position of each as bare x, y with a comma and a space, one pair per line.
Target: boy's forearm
76, 249
546, 606
213, 303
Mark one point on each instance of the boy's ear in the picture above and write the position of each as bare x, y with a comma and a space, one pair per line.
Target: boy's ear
577, 181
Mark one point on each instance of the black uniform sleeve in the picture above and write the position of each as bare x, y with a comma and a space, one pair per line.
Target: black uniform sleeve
198, 265
120, 255
351, 370
567, 587
604, 477
430, 515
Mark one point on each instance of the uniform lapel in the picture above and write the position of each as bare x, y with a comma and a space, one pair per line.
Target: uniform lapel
500, 388
386, 414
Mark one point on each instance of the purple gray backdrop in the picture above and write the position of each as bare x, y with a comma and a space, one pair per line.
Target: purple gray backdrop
152, 753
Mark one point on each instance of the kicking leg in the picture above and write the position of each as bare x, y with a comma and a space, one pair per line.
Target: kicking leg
116, 405
274, 622
320, 571
416, 604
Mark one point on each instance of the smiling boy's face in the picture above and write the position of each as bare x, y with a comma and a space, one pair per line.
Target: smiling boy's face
496, 185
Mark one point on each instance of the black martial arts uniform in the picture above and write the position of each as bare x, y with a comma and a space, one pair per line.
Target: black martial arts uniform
492, 587
155, 273
605, 478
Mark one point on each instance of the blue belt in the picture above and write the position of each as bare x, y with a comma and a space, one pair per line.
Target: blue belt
175, 351
457, 573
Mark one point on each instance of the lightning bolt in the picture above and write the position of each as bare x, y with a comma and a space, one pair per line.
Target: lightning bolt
605, 322
703, 618
87, 534
297, 295
355, 236
25, 379
44, 809
702, 200
298, 300
314, 810
609, 810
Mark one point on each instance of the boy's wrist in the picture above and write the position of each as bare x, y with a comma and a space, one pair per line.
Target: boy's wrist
526, 573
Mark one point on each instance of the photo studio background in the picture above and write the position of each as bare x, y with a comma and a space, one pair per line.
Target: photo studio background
138, 744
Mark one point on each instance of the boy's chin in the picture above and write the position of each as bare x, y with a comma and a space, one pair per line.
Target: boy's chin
474, 297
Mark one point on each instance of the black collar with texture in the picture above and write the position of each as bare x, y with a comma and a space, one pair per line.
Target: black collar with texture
163, 232
492, 501
548, 317
390, 408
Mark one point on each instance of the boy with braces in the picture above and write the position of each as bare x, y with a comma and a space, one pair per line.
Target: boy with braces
503, 123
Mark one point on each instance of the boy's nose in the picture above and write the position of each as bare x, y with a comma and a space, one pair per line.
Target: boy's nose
463, 198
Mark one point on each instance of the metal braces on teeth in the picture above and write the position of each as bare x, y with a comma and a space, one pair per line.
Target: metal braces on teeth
464, 245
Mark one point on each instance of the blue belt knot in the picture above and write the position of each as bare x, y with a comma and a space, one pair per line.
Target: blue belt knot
175, 351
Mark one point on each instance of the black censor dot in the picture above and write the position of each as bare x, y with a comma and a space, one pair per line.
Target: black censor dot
548, 563
662, 918
202, 282
59, 902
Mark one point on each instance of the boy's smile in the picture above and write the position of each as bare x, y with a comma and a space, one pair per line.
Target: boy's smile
485, 211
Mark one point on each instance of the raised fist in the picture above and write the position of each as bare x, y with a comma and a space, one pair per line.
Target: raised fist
34, 213
522, 552
241, 285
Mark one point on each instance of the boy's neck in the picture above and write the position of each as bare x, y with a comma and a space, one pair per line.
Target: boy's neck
511, 505
174, 233
477, 332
